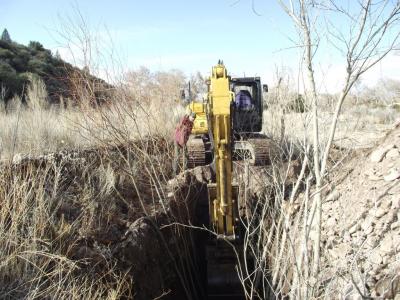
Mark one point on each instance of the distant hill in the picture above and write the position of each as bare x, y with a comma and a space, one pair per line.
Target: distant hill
17, 62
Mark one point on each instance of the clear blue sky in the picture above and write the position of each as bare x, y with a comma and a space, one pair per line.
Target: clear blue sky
189, 35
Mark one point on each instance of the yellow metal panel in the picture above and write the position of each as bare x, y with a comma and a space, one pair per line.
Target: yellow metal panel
200, 125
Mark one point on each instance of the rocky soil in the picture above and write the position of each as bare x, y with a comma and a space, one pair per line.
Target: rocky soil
361, 224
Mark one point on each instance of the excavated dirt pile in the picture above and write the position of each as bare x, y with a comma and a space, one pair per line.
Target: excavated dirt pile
361, 224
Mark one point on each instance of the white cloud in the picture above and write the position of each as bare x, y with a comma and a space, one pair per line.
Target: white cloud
331, 79
387, 68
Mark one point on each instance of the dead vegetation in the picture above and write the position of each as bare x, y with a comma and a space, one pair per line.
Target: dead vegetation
87, 208
94, 219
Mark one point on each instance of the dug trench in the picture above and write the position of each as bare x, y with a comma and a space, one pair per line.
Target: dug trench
189, 211
117, 208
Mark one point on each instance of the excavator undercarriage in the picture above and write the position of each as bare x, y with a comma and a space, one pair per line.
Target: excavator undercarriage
253, 148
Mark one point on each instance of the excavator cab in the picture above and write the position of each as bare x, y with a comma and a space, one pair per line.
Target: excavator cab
247, 116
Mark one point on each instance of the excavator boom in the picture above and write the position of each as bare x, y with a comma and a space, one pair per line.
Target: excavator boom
222, 278
226, 128
222, 193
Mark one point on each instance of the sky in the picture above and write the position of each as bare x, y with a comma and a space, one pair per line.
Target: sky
253, 38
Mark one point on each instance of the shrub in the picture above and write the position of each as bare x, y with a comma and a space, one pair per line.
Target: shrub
6, 36
298, 104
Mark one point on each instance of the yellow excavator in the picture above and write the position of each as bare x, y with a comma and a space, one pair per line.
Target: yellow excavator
226, 128
245, 117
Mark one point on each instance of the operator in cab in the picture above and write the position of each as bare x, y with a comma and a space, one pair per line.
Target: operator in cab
243, 100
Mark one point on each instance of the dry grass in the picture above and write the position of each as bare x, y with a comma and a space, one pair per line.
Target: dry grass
39, 242
51, 207
358, 127
34, 129
38, 256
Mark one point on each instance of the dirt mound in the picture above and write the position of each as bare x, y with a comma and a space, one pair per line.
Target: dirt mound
361, 224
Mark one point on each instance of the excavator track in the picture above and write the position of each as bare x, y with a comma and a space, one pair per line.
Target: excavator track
259, 151
196, 152
263, 152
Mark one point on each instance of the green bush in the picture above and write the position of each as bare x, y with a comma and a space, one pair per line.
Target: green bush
5, 54
36, 46
298, 104
10, 80
5, 36
18, 60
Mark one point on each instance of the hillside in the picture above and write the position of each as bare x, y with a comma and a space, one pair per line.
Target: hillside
19, 62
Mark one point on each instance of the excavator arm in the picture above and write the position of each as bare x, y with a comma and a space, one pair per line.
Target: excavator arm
218, 117
222, 278
223, 193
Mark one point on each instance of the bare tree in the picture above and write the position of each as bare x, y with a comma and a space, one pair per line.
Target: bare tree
369, 35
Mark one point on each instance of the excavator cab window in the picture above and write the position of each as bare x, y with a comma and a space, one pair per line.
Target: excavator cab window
243, 100
244, 96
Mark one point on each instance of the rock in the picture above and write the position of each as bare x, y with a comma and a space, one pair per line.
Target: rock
340, 251
374, 177
393, 175
370, 281
395, 203
395, 190
331, 222
387, 246
393, 153
380, 212
354, 296
330, 241
395, 225
379, 226
390, 217
346, 236
386, 259
354, 228
369, 230
379, 154
367, 226
385, 203
388, 287
375, 258
333, 196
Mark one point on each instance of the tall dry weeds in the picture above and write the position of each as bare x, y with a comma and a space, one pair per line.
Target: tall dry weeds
38, 240
57, 204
